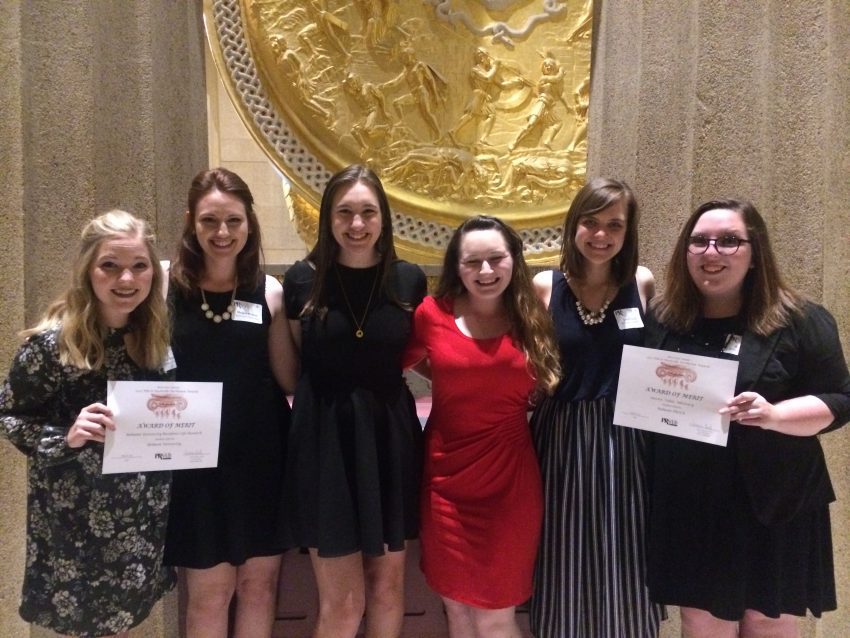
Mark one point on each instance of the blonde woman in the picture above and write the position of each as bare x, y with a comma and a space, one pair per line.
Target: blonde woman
94, 541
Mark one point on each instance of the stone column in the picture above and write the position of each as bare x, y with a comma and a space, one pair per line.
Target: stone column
693, 100
102, 105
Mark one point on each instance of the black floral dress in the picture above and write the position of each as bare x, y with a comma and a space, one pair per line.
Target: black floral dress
94, 541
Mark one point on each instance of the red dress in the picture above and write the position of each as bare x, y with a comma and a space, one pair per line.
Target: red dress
482, 502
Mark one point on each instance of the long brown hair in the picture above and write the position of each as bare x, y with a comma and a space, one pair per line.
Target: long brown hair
767, 303
326, 251
594, 197
187, 268
531, 324
75, 312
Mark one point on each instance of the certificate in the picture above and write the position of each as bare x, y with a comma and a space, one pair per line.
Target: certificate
162, 425
674, 393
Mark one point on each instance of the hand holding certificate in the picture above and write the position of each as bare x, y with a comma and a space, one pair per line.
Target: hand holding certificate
162, 425
675, 393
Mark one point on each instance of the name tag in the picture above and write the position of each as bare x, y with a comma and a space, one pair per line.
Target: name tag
733, 344
170, 362
628, 318
247, 311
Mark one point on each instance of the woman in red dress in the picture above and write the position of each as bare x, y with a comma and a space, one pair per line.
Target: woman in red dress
489, 345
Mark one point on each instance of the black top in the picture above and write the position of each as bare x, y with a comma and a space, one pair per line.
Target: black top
590, 355
355, 447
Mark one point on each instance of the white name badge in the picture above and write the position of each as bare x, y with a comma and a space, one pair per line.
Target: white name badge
247, 311
628, 318
170, 362
733, 344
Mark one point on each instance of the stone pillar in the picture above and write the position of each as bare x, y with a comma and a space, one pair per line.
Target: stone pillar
693, 100
102, 105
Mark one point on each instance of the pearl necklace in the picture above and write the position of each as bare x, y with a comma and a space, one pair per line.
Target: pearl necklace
592, 317
215, 317
589, 317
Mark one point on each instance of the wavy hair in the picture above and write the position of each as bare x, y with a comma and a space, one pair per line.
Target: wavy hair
75, 312
326, 251
767, 303
531, 324
187, 268
594, 197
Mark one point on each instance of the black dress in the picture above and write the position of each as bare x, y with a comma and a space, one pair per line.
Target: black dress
731, 527
229, 513
589, 579
355, 446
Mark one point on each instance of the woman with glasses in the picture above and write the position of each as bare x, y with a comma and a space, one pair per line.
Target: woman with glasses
589, 578
740, 535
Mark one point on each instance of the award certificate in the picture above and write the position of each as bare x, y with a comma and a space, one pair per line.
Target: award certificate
674, 393
162, 425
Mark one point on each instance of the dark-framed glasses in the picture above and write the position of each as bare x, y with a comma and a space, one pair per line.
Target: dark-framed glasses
725, 245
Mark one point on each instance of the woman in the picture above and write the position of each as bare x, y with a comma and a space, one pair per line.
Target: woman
355, 447
94, 541
489, 346
590, 573
740, 535
224, 527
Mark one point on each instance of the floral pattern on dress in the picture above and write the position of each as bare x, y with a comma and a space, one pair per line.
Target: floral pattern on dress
94, 541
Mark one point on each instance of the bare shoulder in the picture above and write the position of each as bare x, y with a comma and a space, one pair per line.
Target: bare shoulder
273, 285
543, 286
274, 295
646, 284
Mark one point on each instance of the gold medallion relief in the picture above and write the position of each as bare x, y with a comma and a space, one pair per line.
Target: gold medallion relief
461, 106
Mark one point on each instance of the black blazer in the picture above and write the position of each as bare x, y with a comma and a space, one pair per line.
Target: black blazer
784, 475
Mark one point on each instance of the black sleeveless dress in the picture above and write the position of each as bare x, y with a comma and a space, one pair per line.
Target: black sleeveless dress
231, 512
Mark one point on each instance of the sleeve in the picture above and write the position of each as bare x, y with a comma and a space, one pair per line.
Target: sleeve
25, 398
417, 346
823, 369
297, 283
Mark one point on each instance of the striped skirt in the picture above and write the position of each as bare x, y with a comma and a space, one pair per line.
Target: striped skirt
589, 580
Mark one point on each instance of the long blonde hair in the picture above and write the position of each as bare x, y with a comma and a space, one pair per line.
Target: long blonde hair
531, 324
75, 312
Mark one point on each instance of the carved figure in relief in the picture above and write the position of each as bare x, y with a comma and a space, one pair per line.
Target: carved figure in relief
326, 23
581, 97
307, 88
373, 103
530, 175
427, 90
550, 90
480, 106
378, 17
441, 171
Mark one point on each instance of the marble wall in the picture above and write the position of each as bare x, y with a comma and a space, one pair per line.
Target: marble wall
102, 104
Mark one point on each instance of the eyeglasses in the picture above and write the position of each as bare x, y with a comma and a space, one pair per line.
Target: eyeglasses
726, 245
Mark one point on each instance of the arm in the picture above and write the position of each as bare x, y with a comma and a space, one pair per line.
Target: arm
822, 379
26, 399
646, 285
283, 357
543, 286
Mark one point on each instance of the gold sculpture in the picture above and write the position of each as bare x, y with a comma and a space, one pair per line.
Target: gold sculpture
459, 105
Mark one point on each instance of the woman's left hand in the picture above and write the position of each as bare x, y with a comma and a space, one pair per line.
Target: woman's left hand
751, 408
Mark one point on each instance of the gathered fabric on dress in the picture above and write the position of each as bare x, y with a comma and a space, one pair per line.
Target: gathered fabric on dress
230, 513
481, 493
589, 579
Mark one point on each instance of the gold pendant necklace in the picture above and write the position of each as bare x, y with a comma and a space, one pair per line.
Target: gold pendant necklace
357, 324
215, 317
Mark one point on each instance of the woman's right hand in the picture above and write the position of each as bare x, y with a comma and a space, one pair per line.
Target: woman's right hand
91, 425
